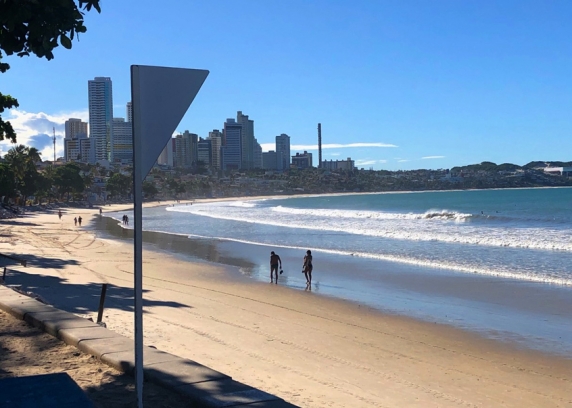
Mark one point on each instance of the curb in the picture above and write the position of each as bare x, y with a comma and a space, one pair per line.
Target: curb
194, 381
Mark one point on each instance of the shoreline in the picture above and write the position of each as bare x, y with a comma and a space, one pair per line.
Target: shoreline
471, 302
310, 350
170, 202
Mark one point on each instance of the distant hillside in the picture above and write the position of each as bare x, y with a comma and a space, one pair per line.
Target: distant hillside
490, 166
536, 164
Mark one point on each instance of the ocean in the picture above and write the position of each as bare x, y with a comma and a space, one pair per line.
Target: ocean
494, 261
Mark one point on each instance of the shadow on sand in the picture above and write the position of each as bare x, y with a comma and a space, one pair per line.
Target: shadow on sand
81, 299
36, 261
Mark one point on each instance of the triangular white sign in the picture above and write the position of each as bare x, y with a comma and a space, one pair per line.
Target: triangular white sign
160, 98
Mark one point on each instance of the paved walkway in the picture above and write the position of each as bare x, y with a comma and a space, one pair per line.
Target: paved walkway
198, 383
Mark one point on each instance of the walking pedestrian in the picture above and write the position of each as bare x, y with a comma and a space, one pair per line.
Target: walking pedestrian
274, 261
308, 267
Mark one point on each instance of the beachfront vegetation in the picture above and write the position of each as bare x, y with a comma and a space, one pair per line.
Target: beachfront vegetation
67, 179
36, 27
119, 185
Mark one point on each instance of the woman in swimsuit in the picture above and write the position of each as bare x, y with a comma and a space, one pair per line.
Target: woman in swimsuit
308, 267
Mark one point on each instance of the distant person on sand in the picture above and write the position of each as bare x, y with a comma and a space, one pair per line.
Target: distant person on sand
308, 267
100, 211
274, 261
75, 221
60, 214
79, 220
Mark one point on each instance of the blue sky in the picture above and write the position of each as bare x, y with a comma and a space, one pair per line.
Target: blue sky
395, 84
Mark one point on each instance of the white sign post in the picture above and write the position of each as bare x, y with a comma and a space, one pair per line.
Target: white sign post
160, 97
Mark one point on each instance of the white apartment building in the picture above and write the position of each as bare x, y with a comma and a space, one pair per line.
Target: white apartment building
100, 100
348, 164
75, 127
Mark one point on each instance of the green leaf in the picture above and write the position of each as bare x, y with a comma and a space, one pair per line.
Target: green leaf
65, 42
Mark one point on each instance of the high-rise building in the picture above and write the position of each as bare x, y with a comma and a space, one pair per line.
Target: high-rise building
192, 140
129, 109
166, 156
181, 152
247, 140
272, 160
185, 150
302, 160
122, 148
204, 151
283, 147
232, 150
257, 155
100, 99
75, 138
216, 144
78, 148
75, 127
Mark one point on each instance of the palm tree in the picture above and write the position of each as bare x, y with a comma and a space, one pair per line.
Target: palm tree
16, 159
22, 159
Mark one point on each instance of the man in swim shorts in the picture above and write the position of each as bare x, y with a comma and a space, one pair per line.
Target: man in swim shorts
274, 262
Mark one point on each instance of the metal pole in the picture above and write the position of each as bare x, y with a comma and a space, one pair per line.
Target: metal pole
101, 302
137, 238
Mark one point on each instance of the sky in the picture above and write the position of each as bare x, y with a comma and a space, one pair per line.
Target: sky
396, 85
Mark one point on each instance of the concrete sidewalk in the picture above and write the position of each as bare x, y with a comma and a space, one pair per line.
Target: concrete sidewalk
198, 383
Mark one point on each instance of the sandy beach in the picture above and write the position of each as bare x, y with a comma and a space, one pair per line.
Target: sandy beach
26, 351
310, 350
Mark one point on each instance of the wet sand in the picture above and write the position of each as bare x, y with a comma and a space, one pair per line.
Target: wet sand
311, 350
527, 314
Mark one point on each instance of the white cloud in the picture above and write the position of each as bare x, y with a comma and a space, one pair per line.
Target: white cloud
367, 162
432, 157
334, 154
402, 160
37, 130
271, 146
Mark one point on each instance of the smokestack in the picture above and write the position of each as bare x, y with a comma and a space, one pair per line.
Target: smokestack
319, 145
54, 129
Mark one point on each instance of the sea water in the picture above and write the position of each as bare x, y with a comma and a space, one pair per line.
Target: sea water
402, 251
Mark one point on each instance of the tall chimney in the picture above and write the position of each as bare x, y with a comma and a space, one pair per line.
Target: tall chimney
319, 145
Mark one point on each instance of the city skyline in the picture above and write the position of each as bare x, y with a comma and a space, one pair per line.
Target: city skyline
395, 86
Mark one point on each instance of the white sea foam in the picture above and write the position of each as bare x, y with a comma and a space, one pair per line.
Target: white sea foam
376, 215
434, 225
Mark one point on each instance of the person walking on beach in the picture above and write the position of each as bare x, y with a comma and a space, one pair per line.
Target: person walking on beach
79, 220
274, 261
60, 214
308, 267
75, 221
